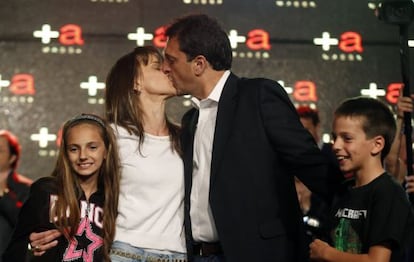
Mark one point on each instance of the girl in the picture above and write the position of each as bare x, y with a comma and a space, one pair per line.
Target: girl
80, 199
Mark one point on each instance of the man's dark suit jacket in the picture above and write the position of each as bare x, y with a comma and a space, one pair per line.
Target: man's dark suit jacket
259, 146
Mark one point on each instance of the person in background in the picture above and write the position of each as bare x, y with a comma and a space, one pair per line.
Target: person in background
243, 145
79, 199
310, 120
395, 162
14, 187
373, 220
314, 209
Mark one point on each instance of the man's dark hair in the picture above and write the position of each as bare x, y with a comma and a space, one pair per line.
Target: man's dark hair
199, 34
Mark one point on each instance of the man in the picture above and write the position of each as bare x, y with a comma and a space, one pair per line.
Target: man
242, 145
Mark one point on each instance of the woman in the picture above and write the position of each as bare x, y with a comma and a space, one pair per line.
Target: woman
150, 214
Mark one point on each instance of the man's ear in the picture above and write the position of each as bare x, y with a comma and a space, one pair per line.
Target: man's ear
199, 65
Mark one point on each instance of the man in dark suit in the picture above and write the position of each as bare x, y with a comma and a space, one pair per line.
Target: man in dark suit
243, 144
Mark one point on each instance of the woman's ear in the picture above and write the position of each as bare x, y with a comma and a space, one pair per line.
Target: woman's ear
137, 86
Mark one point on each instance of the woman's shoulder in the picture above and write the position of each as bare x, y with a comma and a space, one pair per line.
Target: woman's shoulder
124, 135
120, 130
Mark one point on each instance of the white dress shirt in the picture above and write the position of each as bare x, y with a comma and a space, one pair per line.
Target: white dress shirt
203, 227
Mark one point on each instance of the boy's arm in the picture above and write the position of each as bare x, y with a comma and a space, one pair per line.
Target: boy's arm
321, 251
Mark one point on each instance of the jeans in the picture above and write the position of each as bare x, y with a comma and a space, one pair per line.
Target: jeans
124, 252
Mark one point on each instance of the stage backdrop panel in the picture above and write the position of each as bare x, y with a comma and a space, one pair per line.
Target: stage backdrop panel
55, 56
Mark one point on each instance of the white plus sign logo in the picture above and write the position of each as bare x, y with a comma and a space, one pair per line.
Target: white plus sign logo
92, 85
43, 137
288, 89
326, 41
3, 83
373, 91
46, 34
235, 39
140, 36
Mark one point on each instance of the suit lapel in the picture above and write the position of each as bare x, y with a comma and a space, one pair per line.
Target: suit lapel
225, 116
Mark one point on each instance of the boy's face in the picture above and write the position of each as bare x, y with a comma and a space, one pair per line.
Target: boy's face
351, 146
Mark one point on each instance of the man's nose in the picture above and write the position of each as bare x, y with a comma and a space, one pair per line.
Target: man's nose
165, 67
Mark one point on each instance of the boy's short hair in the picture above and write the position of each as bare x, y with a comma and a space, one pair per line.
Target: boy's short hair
377, 118
309, 113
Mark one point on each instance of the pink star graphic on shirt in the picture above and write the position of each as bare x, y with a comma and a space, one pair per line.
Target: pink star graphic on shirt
96, 241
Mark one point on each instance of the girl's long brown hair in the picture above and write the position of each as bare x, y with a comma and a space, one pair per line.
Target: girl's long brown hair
69, 191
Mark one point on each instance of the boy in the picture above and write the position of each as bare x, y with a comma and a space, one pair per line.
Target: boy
373, 220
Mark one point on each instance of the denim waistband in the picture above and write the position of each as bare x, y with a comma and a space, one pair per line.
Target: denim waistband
148, 258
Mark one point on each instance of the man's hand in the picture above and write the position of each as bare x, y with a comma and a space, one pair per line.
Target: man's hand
41, 242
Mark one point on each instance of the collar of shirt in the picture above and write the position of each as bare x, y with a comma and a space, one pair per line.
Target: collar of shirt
216, 93
320, 144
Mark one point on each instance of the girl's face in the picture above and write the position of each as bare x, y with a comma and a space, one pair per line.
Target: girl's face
85, 149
